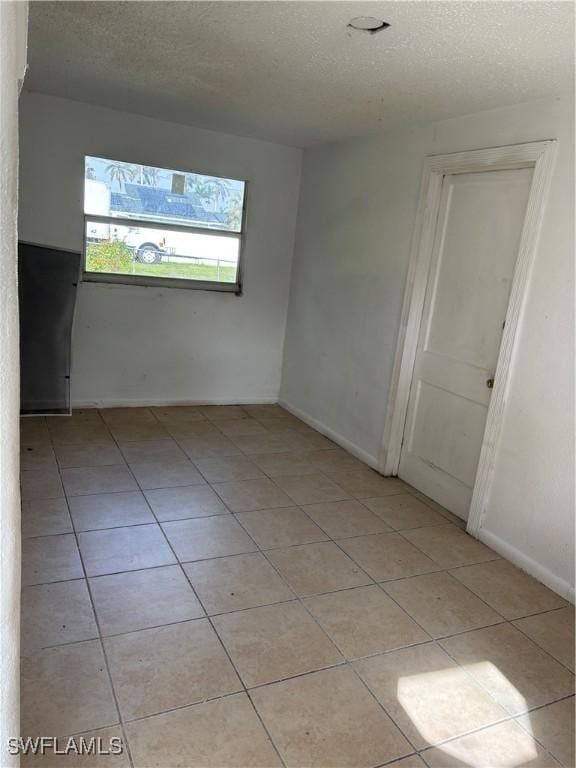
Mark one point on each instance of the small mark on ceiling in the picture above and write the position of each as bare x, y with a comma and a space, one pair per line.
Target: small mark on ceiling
368, 24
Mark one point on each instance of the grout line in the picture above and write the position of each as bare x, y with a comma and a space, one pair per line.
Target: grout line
508, 719
209, 619
301, 600
544, 650
345, 663
223, 514
435, 641
103, 650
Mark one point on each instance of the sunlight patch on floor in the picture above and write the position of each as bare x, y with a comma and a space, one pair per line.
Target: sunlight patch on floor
448, 704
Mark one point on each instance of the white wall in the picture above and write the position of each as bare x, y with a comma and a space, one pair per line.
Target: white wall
155, 345
356, 217
13, 28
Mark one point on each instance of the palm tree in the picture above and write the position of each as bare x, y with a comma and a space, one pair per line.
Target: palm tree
150, 176
209, 190
120, 173
235, 209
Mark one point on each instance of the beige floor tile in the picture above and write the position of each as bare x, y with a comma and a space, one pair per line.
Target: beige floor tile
235, 583
191, 429
109, 510
404, 511
124, 549
126, 602
268, 411
107, 738
326, 719
312, 569
311, 489
237, 427
306, 441
515, 671
505, 745
275, 642
63, 433
85, 414
205, 537
318, 442
128, 431
441, 604
161, 664
334, 461
158, 669
554, 632
246, 495
342, 519
507, 589
223, 412
37, 456
387, 556
40, 484
88, 455
185, 501
83, 481
208, 446
273, 422
50, 558
414, 761
365, 483
223, 469
364, 621
452, 518
440, 509
34, 431
290, 424
166, 474
553, 727
449, 546
178, 414
127, 415
266, 443
427, 695
66, 690
45, 517
226, 732
283, 464
144, 451
54, 614
281, 527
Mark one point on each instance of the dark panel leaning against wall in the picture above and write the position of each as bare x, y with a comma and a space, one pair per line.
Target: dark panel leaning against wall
48, 280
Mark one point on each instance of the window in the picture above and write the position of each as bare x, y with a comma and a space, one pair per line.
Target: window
146, 226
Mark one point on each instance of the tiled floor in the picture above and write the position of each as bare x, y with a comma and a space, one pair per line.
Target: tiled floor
222, 586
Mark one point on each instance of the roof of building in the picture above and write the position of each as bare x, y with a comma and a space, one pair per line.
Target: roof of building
151, 201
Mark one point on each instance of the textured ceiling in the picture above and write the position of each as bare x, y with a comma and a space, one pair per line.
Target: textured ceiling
292, 71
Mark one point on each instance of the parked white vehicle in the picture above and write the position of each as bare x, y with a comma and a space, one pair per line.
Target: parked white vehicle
154, 245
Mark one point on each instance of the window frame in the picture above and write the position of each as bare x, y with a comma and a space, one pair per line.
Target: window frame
149, 281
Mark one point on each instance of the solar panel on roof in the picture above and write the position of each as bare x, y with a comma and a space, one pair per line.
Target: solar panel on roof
161, 202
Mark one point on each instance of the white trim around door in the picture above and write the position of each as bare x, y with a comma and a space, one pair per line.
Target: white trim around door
537, 155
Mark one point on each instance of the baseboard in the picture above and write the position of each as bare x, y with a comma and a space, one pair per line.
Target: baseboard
526, 563
136, 402
343, 442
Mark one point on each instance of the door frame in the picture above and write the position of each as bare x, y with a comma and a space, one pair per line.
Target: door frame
538, 155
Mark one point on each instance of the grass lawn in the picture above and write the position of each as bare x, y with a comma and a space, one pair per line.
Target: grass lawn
189, 271
183, 271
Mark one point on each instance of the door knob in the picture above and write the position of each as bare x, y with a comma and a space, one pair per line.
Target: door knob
490, 383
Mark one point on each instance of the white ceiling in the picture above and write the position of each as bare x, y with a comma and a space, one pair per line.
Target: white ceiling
293, 72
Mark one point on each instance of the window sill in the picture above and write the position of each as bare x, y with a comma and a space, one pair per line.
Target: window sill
161, 282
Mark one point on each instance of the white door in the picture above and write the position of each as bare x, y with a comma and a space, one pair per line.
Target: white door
478, 232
